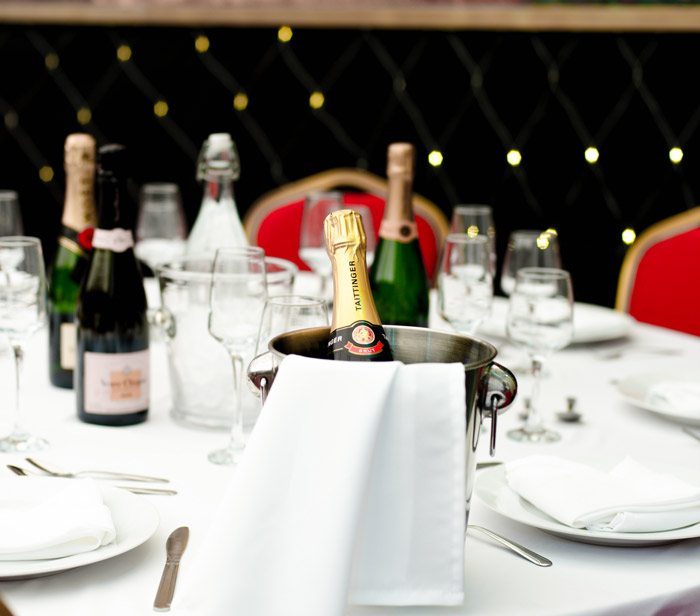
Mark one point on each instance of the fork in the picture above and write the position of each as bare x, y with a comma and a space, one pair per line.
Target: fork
97, 474
135, 489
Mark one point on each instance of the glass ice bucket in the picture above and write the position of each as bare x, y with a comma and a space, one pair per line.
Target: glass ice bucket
490, 387
200, 369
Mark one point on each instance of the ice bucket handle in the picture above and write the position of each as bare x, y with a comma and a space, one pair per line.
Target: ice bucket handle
497, 392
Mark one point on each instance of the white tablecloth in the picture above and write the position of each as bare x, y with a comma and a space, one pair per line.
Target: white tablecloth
585, 579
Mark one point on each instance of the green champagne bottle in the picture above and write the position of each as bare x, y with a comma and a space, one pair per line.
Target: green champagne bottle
71, 259
356, 332
397, 277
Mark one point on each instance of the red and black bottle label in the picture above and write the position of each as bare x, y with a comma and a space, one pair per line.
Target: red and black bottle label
360, 341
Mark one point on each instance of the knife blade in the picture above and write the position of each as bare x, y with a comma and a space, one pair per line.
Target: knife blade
174, 547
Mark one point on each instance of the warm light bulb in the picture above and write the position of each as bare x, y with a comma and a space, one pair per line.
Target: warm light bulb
591, 155
201, 44
316, 100
46, 174
513, 157
124, 53
676, 155
160, 109
240, 101
284, 34
84, 116
435, 158
51, 61
628, 236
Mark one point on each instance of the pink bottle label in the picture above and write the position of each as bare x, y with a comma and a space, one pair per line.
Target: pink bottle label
403, 230
116, 240
116, 383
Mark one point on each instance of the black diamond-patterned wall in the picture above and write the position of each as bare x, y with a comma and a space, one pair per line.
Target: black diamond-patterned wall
472, 96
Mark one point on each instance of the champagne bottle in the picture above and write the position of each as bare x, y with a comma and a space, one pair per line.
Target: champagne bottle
356, 331
72, 254
398, 278
112, 355
217, 224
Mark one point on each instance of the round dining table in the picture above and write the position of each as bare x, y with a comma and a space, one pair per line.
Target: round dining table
586, 578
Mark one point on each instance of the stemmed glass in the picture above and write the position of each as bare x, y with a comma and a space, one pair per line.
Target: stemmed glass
10, 216
465, 283
540, 319
160, 228
476, 220
282, 314
528, 248
312, 241
22, 312
237, 296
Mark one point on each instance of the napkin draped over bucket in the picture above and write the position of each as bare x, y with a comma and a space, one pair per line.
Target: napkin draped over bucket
43, 518
628, 498
351, 490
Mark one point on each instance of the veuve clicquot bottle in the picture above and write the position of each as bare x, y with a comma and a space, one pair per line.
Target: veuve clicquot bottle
112, 355
398, 278
356, 331
72, 255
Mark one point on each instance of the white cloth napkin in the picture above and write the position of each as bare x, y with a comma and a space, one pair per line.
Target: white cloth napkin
351, 489
51, 518
675, 396
628, 498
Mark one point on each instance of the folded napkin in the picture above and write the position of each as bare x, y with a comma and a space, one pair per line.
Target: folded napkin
51, 518
628, 498
675, 396
351, 489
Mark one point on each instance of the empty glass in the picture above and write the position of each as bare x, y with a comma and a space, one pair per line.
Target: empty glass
476, 220
540, 319
10, 216
238, 294
160, 228
528, 248
22, 312
465, 283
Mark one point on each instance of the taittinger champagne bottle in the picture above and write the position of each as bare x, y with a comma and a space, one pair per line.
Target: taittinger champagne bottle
112, 358
72, 255
356, 331
398, 278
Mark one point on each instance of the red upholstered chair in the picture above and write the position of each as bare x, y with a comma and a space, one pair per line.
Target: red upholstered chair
274, 220
660, 275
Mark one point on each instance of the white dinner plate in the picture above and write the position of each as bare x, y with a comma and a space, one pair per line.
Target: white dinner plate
591, 323
493, 490
634, 390
135, 521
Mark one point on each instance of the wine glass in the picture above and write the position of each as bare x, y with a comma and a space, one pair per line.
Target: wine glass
528, 248
312, 241
22, 312
540, 319
160, 228
465, 282
476, 220
237, 296
10, 216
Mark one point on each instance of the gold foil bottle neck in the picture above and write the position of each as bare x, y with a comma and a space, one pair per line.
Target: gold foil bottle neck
79, 150
401, 160
344, 229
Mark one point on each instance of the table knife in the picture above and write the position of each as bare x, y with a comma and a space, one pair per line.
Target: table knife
174, 547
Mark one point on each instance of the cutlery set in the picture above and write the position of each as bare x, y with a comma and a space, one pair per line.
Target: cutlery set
45, 471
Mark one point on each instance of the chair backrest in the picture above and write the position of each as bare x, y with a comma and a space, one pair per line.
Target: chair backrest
660, 276
274, 220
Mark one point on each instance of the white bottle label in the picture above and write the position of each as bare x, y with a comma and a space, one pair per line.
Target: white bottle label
116, 240
67, 345
116, 383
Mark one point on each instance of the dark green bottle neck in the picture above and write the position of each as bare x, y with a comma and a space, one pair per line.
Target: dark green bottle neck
115, 205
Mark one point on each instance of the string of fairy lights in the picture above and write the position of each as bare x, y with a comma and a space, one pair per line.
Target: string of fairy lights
316, 101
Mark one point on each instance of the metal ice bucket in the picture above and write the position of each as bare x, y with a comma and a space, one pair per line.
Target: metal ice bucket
490, 387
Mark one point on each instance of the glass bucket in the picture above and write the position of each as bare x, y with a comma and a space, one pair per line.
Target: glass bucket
200, 371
